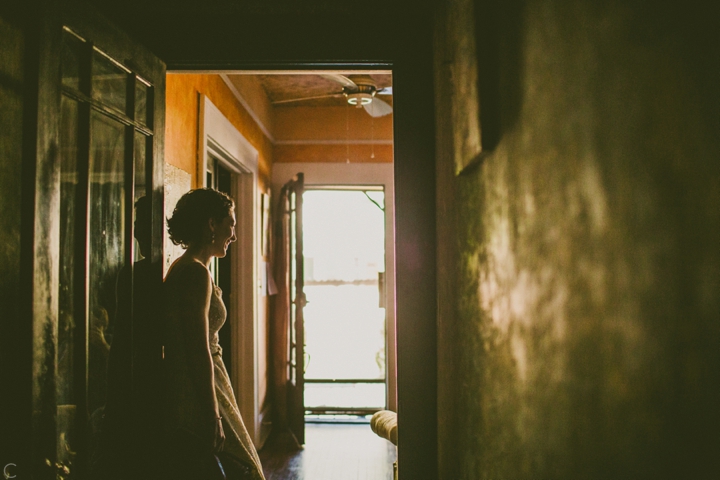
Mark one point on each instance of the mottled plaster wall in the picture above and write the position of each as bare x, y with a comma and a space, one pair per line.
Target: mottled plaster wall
579, 260
11, 134
12, 67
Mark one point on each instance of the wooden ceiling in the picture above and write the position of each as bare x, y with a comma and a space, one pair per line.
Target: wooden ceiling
283, 86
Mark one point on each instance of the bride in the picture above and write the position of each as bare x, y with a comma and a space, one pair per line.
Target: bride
201, 415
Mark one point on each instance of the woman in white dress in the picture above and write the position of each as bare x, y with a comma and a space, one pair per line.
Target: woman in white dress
201, 417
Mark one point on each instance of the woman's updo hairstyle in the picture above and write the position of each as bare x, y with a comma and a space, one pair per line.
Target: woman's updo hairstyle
192, 212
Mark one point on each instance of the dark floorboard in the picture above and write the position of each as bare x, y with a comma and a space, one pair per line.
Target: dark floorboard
332, 452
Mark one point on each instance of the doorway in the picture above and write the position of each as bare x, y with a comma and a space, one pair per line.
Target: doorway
323, 180
218, 177
345, 320
229, 163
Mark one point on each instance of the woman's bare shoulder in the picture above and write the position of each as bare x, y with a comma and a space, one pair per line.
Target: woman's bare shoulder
189, 273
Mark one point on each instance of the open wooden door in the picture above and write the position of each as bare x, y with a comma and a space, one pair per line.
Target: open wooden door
293, 303
97, 246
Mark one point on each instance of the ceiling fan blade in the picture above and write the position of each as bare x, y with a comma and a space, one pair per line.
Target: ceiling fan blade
291, 100
341, 79
384, 91
378, 108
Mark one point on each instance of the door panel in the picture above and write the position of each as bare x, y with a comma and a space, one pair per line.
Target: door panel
102, 117
106, 251
67, 393
291, 204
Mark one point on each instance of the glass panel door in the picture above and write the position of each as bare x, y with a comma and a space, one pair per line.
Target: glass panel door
106, 167
293, 302
107, 252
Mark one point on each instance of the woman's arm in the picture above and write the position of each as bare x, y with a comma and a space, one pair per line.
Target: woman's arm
194, 293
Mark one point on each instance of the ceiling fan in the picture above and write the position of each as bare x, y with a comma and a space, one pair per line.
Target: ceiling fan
360, 91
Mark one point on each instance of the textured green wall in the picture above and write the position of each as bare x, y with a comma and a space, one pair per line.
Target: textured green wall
12, 48
11, 118
579, 260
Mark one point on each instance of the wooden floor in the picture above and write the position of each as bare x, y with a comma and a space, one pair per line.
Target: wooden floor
332, 452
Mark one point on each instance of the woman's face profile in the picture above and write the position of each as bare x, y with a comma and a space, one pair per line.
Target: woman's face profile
224, 234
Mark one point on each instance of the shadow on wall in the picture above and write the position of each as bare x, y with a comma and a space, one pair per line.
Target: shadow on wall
498, 33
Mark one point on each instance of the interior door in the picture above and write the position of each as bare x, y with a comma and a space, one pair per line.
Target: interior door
220, 178
291, 205
97, 245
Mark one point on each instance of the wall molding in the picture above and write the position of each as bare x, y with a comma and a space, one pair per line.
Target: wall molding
247, 107
334, 142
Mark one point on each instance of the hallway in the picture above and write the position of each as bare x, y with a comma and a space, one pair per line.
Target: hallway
332, 452
556, 195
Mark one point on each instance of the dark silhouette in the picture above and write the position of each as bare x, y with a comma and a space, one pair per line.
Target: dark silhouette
127, 445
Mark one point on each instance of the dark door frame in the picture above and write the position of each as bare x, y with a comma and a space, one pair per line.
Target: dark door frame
315, 35
403, 44
415, 240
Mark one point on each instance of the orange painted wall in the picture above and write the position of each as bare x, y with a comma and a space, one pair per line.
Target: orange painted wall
251, 89
331, 135
296, 123
181, 130
334, 153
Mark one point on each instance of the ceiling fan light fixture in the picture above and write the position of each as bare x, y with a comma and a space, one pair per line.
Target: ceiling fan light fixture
359, 98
